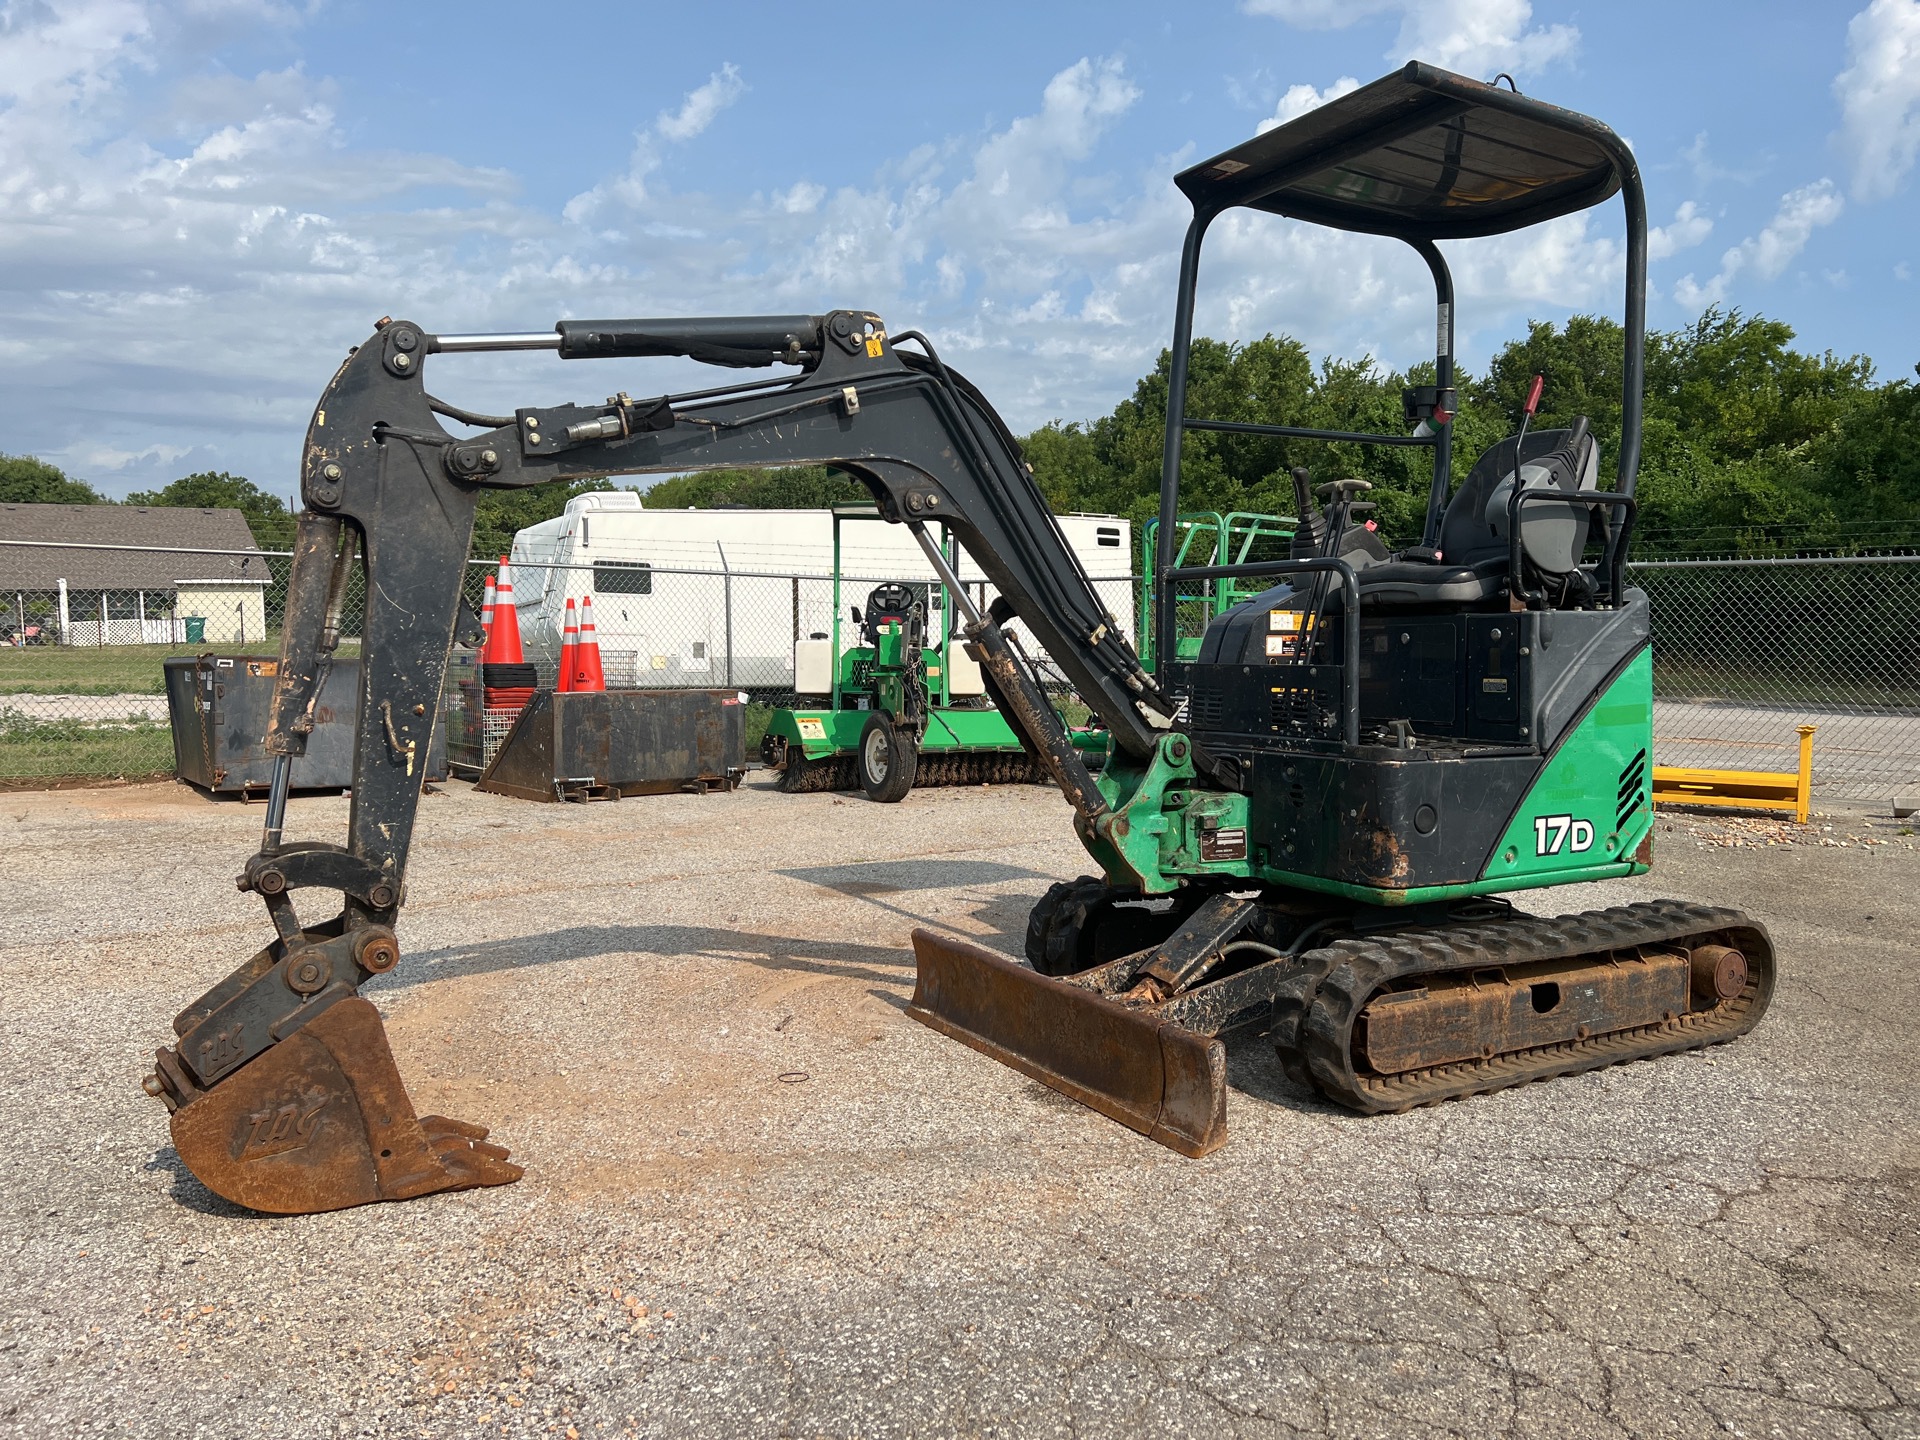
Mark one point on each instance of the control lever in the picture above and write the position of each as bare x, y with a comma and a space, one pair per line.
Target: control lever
1515, 583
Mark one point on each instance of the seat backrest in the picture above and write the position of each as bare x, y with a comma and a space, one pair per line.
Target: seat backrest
1474, 527
890, 601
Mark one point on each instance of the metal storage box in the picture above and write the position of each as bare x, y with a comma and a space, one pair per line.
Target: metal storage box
218, 705
600, 745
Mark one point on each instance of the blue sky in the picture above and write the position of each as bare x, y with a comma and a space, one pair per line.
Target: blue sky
204, 203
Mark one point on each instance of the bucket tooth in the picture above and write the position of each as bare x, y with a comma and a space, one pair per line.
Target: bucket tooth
1155, 1077
321, 1121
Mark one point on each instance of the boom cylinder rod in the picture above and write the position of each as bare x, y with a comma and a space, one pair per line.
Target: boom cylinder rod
1026, 709
524, 340
277, 805
945, 572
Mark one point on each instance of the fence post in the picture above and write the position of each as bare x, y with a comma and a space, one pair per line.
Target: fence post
726, 599
65, 622
140, 605
103, 619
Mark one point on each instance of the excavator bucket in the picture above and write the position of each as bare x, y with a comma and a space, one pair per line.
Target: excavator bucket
1153, 1076
321, 1121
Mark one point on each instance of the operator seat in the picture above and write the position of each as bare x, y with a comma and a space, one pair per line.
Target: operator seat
891, 602
1474, 551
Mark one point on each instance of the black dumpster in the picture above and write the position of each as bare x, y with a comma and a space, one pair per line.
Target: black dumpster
600, 745
219, 706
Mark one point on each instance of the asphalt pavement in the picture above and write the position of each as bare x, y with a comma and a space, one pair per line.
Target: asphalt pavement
761, 1201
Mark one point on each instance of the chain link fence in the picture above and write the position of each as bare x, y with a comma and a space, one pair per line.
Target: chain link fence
1745, 651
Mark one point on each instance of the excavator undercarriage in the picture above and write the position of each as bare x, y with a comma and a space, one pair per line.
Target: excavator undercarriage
1305, 823
1467, 1003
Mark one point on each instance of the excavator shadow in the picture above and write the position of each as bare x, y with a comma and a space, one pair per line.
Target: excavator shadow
879, 964
884, 877
1253, 1069
876, 883
187, 1191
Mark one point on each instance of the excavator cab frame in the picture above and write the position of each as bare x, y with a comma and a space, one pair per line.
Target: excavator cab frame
1421, 155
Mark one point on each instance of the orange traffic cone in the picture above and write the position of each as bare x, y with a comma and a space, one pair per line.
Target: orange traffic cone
486, 617
508, 680
587, 674
503, 637
569, 651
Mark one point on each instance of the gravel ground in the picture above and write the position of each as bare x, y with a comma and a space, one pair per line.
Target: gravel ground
913, 1240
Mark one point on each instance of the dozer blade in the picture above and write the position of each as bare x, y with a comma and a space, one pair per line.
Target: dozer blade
321, 1121
1166, 1082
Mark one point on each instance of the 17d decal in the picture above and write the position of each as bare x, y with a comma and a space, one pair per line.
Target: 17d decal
1554, 833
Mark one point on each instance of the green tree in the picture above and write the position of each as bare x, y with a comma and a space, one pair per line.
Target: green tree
26, 480
788, 487
1748, 445
502, 514
266, 515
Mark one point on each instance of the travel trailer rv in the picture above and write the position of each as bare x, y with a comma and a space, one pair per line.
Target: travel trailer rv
721, 597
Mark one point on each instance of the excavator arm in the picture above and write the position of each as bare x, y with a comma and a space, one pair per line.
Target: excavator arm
282, 1089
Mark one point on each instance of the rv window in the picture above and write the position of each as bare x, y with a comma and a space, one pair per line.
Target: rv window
1107, 535
623, 577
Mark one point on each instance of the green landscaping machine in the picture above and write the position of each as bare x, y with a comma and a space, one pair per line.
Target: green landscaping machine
1207, 538
904, 707
1306, 824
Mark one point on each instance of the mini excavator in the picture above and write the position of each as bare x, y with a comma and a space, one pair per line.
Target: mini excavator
1305, 830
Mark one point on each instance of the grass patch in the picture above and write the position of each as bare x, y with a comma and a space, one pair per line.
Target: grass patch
754, 727
111, 669
60, 748
84, 670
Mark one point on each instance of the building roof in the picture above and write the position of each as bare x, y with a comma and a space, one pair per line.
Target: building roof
168, 530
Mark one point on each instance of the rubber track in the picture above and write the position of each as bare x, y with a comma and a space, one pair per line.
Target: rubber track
1315, 1020
841, 772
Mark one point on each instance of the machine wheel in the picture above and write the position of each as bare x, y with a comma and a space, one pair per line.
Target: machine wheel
887, 759
1086, 922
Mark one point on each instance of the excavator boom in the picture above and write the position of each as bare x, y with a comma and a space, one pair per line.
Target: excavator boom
283, 1092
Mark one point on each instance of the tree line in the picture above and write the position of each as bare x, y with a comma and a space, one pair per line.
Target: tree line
1751, 446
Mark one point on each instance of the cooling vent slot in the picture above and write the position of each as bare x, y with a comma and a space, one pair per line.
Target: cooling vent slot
1301, 711
1633, 783
1208, 706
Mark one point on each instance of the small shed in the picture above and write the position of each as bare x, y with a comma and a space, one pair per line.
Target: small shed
235, 610
131, 575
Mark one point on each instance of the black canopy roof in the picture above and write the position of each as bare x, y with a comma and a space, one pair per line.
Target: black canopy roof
1422, 154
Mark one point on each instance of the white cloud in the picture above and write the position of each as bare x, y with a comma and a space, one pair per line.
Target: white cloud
695, 114
1708, 171
803, 198
1879, 95
106, 457
701, 105
1475, 37
1688, 229
1299, 99
206, 259
1768, 254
